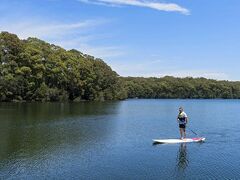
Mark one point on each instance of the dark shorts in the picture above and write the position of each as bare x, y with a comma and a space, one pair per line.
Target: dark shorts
182, 126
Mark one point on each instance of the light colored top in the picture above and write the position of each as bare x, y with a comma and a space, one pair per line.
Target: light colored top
183, 115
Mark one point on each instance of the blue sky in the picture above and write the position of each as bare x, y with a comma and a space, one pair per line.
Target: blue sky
138, 37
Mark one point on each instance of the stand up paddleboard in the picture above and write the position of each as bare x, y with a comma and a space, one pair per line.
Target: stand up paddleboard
173, 141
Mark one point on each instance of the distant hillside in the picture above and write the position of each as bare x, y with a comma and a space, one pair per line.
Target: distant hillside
186, 88
33, 70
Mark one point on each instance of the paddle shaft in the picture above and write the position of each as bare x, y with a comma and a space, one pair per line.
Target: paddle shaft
193, 131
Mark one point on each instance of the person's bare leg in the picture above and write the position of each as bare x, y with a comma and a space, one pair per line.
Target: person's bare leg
181, 133
184, 132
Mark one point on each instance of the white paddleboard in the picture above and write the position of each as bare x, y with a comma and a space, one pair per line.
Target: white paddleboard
173, 141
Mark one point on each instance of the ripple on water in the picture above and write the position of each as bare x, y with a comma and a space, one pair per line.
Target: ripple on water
113, 141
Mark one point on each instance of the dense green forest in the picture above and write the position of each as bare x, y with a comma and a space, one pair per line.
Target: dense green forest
171, 87
33, 70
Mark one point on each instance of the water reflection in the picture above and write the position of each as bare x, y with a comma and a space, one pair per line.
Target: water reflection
182, 158
37, 129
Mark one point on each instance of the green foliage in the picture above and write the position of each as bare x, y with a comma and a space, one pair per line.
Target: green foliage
33, 70
170, 87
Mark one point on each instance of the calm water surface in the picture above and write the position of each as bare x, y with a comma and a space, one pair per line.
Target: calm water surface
113, 140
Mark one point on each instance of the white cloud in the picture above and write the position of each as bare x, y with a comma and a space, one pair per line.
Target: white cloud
181, 74
196, 74
170, 7
99, 3
83, 44
79, 35
35, 28
102, 52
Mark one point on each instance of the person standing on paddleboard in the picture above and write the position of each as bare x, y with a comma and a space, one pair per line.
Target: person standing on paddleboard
182, 119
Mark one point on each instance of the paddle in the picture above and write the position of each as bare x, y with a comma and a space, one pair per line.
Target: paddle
193, 131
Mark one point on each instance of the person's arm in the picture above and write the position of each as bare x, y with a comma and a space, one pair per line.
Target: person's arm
186, 117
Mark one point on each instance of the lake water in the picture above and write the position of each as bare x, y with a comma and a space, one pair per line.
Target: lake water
113, 140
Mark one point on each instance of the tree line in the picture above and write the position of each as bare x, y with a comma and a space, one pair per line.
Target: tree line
185, 88
34, 70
